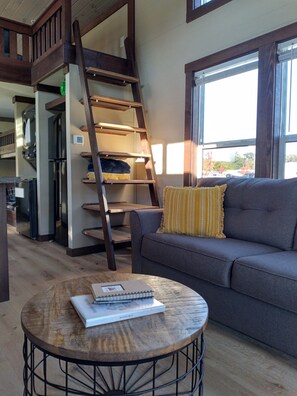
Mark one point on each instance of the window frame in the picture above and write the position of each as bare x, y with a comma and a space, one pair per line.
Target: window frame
194, 13
267, 142
284, 138
226, 70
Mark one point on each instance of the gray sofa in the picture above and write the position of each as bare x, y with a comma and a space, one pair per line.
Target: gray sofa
249, 278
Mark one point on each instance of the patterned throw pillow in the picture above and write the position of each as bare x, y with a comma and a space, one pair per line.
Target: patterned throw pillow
196, 211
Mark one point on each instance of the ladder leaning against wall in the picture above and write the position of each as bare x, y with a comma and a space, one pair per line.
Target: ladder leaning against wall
118, 235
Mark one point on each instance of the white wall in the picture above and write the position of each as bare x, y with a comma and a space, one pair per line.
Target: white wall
165, 43
106, 37
7, 168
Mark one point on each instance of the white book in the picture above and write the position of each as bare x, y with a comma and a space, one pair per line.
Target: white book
93, 314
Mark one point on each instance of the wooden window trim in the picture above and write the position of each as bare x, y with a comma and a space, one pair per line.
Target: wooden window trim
266, 46
194, 13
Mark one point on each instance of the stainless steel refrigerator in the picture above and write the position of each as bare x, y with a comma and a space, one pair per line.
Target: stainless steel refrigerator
26, 208
58, 178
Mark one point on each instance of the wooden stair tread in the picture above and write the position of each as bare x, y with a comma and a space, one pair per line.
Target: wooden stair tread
87, 181
116, 129
117, 207
119, 234
115, 154
113, 103
112, 75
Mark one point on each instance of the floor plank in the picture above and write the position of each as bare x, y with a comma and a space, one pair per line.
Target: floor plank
234, 364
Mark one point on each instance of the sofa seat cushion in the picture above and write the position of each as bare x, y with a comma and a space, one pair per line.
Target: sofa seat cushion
209, 259
270, 277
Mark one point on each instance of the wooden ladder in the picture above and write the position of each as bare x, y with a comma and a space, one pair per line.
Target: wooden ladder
113, 235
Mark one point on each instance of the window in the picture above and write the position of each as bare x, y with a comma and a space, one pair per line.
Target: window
197, 8
262, 140
225, 118
286, 127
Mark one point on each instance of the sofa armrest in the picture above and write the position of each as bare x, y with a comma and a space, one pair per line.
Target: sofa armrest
142, 222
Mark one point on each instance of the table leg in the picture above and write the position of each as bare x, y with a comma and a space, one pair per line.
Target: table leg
178, 374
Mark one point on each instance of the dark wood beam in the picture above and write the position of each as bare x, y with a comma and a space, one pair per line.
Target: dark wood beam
190, 147
265, 119
47, 88
15, 72
53, 62
18, 27
101, 60
6, 119
131, 24
23, 99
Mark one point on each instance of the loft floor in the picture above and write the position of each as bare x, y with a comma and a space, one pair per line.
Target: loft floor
234, 364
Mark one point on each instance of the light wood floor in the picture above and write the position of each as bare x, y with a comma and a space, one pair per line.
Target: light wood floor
234, 364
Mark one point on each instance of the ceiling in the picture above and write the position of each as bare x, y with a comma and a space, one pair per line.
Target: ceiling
88, 12
28, 11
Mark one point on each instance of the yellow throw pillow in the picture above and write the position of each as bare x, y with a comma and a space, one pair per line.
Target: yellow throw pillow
196, 211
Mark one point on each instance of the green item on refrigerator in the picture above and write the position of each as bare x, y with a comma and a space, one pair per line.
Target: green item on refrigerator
63, 88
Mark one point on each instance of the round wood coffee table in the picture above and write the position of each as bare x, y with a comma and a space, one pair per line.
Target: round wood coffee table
159, 354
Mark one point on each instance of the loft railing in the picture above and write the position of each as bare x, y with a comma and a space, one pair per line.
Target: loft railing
14, 41
7, 143
51, 30
30, 53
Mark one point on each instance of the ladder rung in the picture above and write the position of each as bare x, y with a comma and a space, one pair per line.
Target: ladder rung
123, 154
116, 129
117, 207
119, 234
90, 181
113, 103
112, 75
115, 154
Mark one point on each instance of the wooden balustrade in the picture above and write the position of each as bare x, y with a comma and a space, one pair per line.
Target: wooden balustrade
15, 40
52, 30
7, 143
30, 53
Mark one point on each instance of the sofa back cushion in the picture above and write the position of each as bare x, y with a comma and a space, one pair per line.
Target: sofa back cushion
259, 210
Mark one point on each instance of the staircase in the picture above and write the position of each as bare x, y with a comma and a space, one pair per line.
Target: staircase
113, 235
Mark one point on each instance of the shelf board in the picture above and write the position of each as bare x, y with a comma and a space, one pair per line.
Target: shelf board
117, 207
88, 181
115, 129
113, 103
56, 104
115, 154
119, 234
114, 77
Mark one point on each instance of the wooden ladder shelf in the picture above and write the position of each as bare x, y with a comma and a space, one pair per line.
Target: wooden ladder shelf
113, 235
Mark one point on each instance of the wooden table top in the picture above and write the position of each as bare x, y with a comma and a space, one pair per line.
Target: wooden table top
51, 323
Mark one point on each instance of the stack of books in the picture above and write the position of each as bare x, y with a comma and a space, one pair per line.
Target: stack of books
115, 301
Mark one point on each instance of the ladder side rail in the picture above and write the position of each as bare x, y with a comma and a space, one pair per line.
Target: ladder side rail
144, 136
94, 150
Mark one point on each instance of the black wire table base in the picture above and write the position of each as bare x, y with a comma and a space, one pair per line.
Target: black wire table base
180, 373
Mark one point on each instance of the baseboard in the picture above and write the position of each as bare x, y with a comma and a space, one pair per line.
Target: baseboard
45, 238
93, 249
